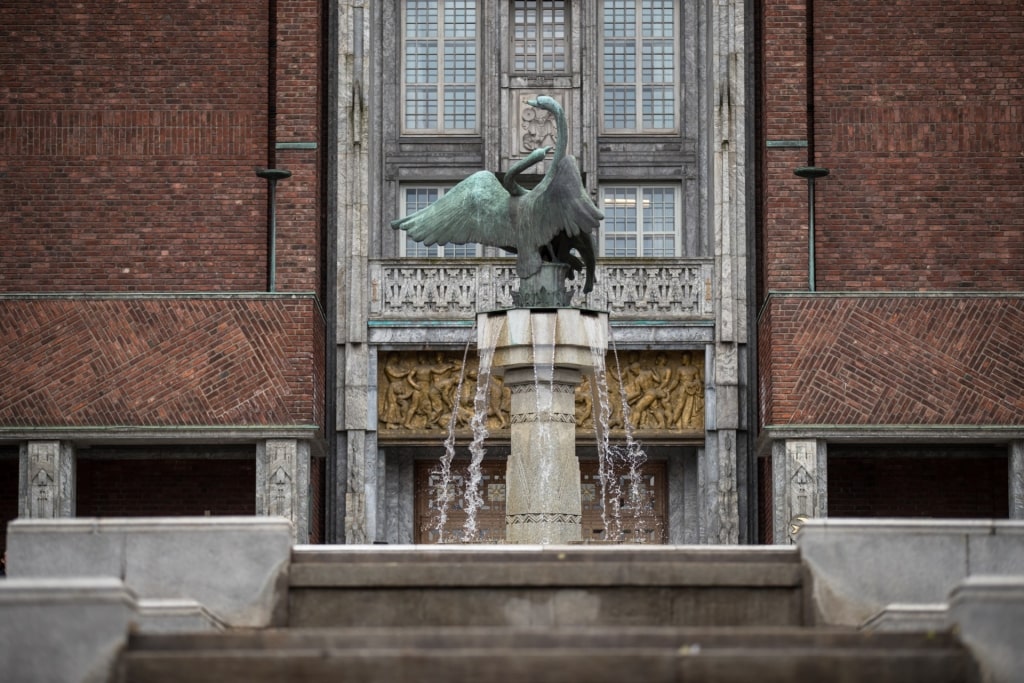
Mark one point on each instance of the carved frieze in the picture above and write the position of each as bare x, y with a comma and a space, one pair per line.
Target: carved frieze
424, 289
661, 394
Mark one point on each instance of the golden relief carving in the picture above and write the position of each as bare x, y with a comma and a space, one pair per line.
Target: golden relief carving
663, 392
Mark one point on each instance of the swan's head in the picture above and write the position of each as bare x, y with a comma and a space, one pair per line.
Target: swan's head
545, 102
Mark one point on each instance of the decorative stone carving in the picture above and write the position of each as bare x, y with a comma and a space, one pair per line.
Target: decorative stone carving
418, 289
47, 480
663, 392
800, 486
282, 483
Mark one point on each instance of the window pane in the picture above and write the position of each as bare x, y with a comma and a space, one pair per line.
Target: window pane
619, 18
658, 107
640, 221
460, 108
460, 19
421, 108
539, 36
639, 50
440, 56
619, 107
460, 250
459, 62
620, 213
421, 62
619, 62
417, 198
656, 18
421, 18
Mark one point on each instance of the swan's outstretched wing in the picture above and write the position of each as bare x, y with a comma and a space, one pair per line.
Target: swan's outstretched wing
475, 210
563, 206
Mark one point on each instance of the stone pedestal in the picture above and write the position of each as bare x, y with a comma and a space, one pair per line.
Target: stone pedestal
542, 354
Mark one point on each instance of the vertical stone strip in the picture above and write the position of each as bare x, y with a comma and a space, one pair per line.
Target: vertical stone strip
1016, 465
799, 485
282, 483
46, 487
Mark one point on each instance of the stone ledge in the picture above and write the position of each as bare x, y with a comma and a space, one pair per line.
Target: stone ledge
235, 567
988, 614
860, 566
63, 630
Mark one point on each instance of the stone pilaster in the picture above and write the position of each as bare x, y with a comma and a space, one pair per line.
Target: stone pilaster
282, 483
1016, 465
46, 485
799, 485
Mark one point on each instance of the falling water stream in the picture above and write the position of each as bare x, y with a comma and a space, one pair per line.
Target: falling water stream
619, 465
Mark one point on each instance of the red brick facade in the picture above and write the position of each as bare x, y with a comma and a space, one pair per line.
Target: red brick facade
152, 362
129, 140
916, 110
134, 254
915, 314
892, 360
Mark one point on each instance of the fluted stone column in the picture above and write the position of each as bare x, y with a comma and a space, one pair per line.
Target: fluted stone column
542, 480
541, 354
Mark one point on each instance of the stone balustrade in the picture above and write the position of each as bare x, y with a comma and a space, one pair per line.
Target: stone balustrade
628, 289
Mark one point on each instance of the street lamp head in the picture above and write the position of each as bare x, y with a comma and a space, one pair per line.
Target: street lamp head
273, 173
811, 172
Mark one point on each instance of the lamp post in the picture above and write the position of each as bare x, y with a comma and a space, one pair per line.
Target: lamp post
272, 175
810, 172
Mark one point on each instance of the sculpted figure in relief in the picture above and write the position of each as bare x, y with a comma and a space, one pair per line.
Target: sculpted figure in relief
663, 393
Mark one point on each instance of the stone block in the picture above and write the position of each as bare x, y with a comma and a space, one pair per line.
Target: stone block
235, 567
63, 630
988, 614
860, 566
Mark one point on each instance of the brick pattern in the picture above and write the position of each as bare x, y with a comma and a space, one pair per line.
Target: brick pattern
892, 360
936, 481
129, 139
161, 362
917, 113
297, 118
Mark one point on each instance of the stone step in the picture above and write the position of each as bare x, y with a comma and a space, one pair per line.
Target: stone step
546, 586
546, 654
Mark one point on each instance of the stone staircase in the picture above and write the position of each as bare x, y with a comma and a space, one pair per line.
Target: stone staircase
567, 613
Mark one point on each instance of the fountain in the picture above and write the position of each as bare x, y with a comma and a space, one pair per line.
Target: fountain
543, 346
541, 353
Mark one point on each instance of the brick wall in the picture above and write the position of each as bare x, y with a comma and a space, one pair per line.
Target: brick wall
158, 481
928, 360
129, 139
936, 481
915, 107
919, 113
782, 224
162, 361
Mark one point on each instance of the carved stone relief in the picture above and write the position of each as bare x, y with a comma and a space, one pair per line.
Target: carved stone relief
417, 290
661, 393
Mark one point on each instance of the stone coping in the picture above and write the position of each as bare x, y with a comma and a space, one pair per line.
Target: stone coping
544, 567
235, 567
861, 566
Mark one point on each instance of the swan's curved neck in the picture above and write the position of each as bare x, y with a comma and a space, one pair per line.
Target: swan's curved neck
562, 142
